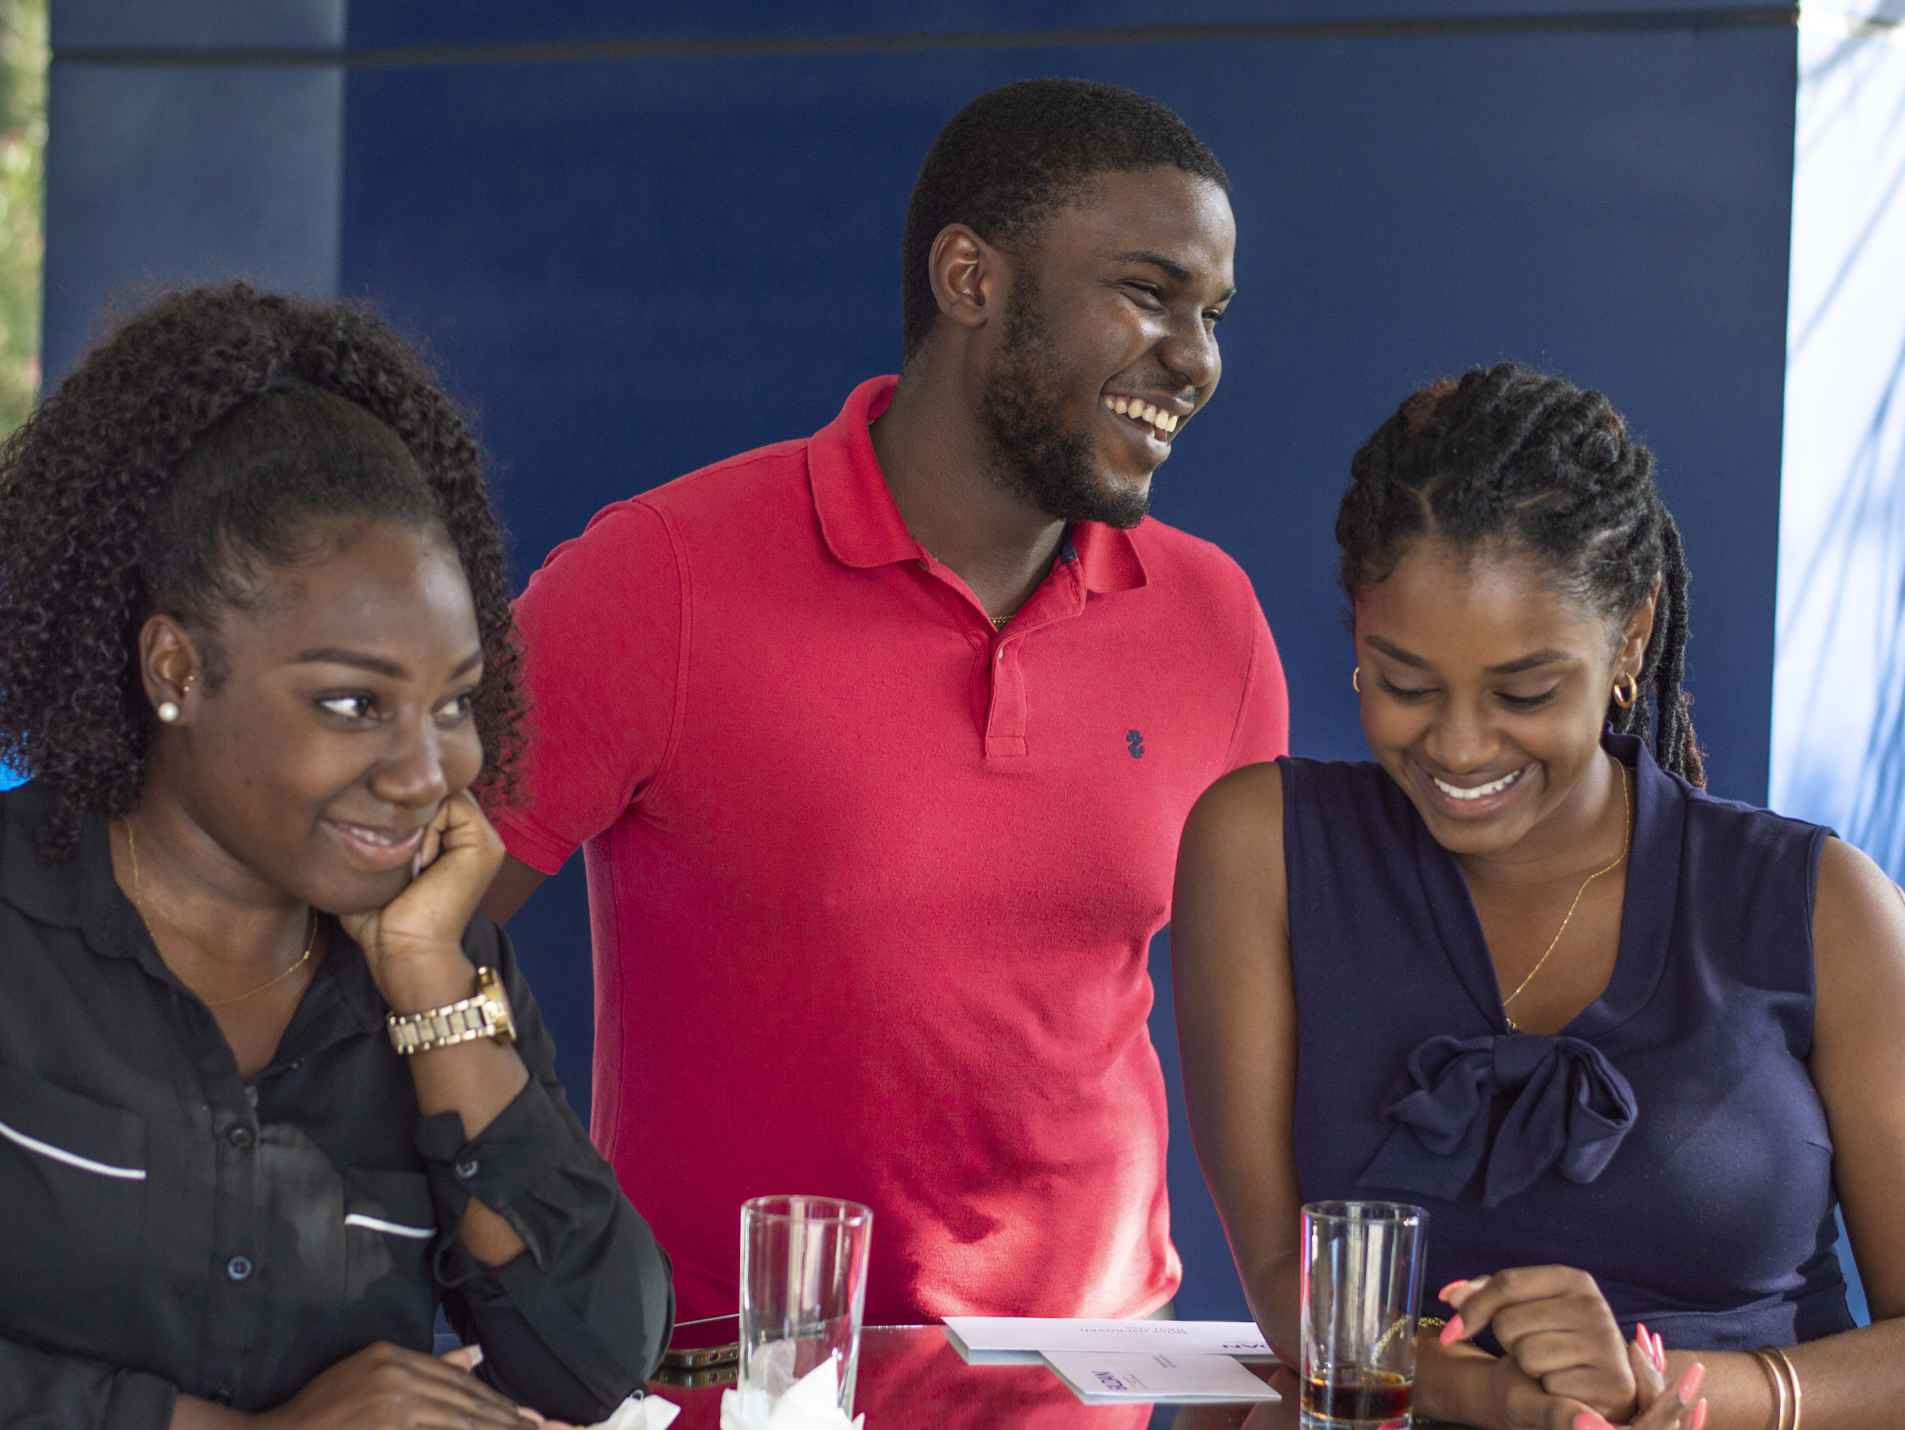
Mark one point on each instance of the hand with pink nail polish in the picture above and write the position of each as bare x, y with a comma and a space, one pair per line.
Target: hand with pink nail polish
1557, 1328
1647, 1358
1518, 1402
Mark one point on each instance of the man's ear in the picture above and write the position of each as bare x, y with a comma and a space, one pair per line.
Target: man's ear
968, 276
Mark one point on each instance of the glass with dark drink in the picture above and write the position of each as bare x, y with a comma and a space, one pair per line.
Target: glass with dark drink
1361, 1283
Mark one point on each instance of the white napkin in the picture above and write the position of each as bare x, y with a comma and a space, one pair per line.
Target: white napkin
649, 1413
813, 1403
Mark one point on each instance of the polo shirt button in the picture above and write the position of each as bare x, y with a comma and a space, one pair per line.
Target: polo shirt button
239, 1268
242, 1137
466, 1170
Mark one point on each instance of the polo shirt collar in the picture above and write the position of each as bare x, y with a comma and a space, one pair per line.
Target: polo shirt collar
863, 527
1107, 557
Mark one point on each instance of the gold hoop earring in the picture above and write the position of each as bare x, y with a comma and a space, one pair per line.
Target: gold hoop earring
1356, 680
1626, 691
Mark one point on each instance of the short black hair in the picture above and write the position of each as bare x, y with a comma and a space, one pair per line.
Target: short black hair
1009, 159
1513, 456
201, 443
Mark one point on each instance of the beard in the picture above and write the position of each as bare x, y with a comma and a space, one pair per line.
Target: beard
1033, 455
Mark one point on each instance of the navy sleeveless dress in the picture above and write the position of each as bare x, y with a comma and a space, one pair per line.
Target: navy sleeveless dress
1669, 1140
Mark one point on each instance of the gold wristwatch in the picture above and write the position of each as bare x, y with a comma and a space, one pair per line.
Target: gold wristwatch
484, 1014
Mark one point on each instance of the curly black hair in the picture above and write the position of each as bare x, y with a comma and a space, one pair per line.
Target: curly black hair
1006, 161
1510, 454
193, 448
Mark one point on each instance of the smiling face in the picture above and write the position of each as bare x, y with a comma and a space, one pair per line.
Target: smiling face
342, 722
1109, 342
1484, 692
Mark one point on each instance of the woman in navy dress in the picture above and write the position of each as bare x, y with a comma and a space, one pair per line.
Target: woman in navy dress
1631, 1045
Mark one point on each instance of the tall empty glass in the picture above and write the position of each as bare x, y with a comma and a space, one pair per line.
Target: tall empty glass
803, 1285
1362, 1282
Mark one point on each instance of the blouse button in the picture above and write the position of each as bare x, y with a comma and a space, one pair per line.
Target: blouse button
239, 1268
242, 1137
466, 1170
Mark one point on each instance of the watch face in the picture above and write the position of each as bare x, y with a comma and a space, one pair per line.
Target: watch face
490, 986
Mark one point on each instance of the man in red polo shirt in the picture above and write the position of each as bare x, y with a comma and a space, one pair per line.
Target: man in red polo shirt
878, 745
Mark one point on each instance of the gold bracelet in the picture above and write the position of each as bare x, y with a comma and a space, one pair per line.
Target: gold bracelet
1430, 1323
1778, 1377
1792, 1378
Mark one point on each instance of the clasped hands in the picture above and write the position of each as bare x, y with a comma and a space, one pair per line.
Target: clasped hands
1565, 1364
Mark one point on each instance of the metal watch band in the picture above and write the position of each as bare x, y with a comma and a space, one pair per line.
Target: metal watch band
481, 1015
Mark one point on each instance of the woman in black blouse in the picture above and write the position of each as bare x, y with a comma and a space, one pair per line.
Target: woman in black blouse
260, 1106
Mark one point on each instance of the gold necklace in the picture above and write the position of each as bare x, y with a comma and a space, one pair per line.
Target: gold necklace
1626, 833
310, 937
998, 622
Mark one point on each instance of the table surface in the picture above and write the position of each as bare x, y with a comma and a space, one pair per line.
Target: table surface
911, 1377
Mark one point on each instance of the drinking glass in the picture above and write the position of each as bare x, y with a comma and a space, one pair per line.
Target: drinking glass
1362, 1282
803, 1285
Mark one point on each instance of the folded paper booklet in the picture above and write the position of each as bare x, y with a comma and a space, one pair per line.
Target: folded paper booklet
1020, 1340
1108, 1377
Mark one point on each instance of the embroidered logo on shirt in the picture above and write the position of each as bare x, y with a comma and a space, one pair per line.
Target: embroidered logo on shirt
1134, 741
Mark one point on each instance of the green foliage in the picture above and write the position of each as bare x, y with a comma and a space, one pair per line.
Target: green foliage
23, 60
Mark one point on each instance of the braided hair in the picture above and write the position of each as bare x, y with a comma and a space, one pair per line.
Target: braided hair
199, 446
1509, 455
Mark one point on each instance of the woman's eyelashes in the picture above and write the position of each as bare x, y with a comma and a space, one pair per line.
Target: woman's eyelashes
1415, 694
357, 706
360, 707
1527, 702
1407, 694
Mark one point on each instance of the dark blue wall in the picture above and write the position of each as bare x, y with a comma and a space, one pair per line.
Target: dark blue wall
637, 244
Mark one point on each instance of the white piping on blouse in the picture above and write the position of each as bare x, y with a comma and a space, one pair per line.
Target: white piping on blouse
371, 1223
71, 1159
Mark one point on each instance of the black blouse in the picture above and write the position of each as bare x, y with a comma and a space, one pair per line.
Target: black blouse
167, 1226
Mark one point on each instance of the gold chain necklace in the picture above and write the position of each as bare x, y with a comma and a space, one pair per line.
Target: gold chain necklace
1626, 834
998, 622
310, 937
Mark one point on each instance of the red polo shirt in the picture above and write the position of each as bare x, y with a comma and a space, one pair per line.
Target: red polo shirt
871, 884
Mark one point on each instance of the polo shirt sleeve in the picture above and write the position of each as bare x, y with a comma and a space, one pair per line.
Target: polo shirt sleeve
1263, 713
603, 628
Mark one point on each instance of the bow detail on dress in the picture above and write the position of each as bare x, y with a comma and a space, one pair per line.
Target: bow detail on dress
1571, 1109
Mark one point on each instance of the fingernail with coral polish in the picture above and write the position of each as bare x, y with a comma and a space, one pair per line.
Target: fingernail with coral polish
1690, 1383
1642, 1340
1699, 1415
1452, 1332
1660, 1354
1588, 1420
1456, 1292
